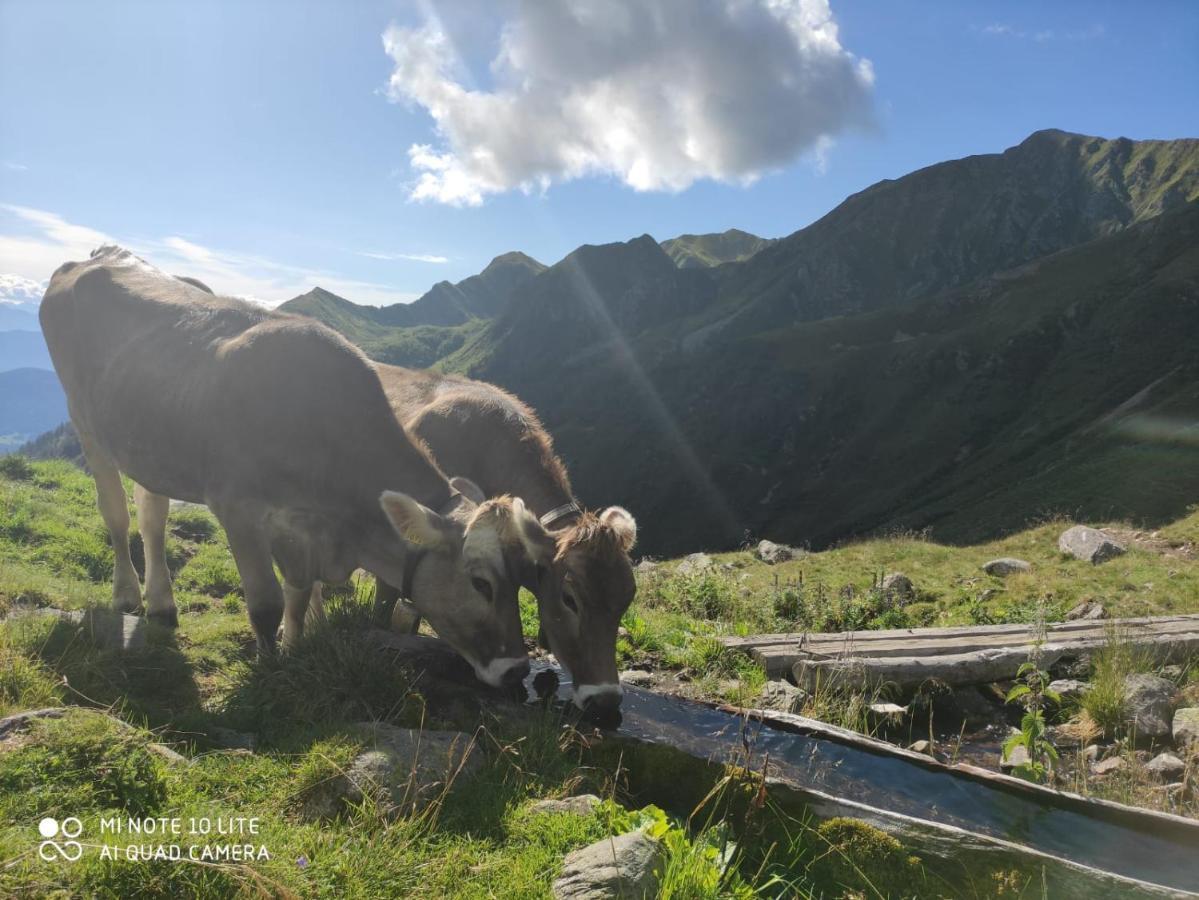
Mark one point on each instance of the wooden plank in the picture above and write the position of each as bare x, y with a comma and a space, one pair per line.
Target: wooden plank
741, 643
960, 669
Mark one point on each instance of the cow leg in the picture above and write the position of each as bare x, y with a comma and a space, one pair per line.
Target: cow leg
152, 510
114, 510
316, 605
295, 606
252, 553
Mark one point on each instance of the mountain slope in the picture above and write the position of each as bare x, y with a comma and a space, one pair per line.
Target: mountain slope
23, 349
704, 250
31, 401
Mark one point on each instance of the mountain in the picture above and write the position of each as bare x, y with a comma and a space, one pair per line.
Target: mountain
23, 349
60, 442
704, 250
18, 317
971, 346
31, 401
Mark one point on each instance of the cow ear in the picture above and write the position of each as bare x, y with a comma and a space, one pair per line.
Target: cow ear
539, 544
467, 489
413, 522
622, 524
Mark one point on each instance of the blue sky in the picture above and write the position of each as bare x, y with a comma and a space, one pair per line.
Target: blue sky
259, 144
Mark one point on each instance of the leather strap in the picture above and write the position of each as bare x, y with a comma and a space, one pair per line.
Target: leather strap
560, 512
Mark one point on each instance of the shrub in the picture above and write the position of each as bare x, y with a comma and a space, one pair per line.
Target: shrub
16, 468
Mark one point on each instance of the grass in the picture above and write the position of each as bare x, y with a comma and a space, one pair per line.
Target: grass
183, 687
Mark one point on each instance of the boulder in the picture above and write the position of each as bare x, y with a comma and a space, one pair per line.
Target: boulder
898, 587
693, 564
921, 747
404, 769
646, 567
1005, 566
1087, 610
770, 552
1089, 544
1166, 767
1186, 730
1150, 702
1069, 689
627, 866
580, 805
1109, 765
1018, 757
637, 678
782, 696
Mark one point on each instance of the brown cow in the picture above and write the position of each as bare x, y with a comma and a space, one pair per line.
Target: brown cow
498, 442
279, 426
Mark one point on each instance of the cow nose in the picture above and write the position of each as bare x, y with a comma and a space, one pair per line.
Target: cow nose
603, 707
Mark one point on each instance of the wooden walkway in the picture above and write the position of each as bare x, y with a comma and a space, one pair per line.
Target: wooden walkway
967, 655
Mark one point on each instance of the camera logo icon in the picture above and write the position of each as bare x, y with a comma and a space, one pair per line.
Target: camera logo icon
69, 849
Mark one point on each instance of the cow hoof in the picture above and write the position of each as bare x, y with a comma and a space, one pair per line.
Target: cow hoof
167, 618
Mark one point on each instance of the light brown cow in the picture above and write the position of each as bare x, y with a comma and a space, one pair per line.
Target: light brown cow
282, 429
497, 441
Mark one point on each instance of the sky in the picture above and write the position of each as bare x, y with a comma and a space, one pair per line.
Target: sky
377, 147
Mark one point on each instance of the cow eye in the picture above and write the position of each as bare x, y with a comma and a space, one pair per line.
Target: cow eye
483, 586
569, 600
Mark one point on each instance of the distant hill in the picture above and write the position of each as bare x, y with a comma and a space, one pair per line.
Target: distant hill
704, 250
966, 348
60, 442
23, 349
18, 317
31, 401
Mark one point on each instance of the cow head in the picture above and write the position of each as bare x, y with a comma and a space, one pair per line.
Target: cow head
580, 618
466, 574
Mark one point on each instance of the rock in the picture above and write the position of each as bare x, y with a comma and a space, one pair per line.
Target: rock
1018, 757
646, 567
1166, 766
1087, 610
693, 564
1005, 566
1176, 791
638, 678
1069, 689
1186, 730
1089, 544
1107, 766
406, 769
580, 805
22, 721
1091, 753
228, 739
921, 747
782, 696
1150, 705
887, 713
169, 756
897, 586
964, 704
627, 866
771, 553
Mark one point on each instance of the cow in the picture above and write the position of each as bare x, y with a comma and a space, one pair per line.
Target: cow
496, 440
282, 429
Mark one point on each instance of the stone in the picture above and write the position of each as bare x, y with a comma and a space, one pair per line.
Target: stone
1185, 729
1069, 689
1176, 791
22, 721
693, 564
1091, 753
627, 867
1087, 610
887, 713
921, 747
1005, 566
646, 567
167, 755
580, 805
782, 696
1150, 702
1107, 766
1089, 544
404, 770
228, 739
1166, 766
637, 678
1018, 757
898, 587
771, 553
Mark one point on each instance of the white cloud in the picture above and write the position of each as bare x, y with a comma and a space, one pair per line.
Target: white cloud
33, 243
657, 93
412, 257
15, 166
17, 290
1043, 36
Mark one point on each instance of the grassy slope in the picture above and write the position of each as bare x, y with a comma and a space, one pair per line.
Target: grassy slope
184, 686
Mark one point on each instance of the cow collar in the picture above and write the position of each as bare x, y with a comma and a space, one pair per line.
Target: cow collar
560, 512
